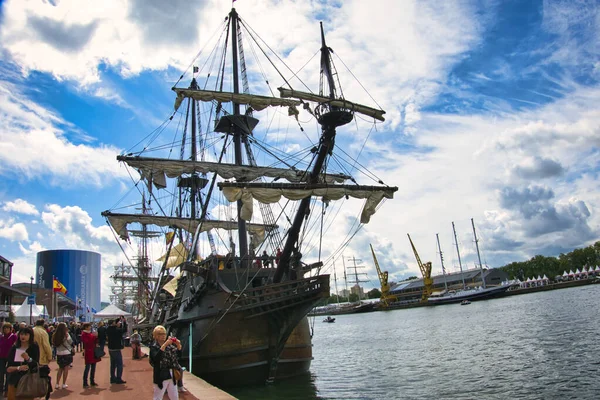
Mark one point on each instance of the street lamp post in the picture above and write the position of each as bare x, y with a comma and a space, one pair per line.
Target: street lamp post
31, 304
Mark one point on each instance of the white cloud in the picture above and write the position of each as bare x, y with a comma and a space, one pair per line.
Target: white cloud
13, 231
34, 248
77, 43
32, 143
20, 206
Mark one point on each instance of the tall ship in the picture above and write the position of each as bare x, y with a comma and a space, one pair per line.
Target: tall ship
245, 209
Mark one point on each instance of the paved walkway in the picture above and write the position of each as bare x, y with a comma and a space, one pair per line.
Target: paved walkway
137, 374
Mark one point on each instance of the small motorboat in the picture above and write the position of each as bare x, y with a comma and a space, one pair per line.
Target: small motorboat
465, 302
329, 319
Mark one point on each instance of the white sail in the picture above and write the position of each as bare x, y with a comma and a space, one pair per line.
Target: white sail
119, 223
256, 102
348, 105
273, 195
157, 170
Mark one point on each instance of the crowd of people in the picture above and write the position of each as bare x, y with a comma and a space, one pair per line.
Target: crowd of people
24, 348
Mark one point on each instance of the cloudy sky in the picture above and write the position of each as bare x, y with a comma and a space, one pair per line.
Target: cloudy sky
492, 114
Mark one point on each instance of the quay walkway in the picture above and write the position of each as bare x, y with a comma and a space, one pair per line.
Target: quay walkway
137, 374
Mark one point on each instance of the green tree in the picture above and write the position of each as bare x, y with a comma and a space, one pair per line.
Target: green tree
553, 266
374, 294
353, 297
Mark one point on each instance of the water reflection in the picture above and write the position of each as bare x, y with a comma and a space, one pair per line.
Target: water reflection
298, 388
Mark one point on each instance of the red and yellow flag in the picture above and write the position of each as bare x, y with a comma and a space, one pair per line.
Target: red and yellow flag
59, 287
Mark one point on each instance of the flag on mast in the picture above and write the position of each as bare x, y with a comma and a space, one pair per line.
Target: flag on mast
59, 287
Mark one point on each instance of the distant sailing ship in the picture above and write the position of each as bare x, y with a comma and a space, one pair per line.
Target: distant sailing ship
466, 294
239, 303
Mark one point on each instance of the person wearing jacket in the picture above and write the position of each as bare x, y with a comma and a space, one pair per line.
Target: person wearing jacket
40, 335
114, 336
24, 355
164, 358
101, 334
89, 341
7, 340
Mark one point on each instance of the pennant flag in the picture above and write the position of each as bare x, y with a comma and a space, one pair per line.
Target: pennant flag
94, 310
169, 237
88, 308
59, 287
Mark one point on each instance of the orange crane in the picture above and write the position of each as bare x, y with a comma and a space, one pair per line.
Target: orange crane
386, 297
425, 271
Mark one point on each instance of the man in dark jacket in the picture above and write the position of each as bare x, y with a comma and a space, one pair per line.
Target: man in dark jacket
101, 334
114, 336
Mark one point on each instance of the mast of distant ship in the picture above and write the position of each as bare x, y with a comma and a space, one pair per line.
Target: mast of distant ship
329, 121
478, 256
437, 236
458, 253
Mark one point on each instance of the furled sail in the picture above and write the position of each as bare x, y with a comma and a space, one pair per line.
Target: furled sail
256, 102
272, 193
177, 255
171, 286
348, 105
156, 170
119, 223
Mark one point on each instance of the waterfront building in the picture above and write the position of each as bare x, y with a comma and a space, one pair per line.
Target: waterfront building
357, 290
79, 271
7, 292
413, 289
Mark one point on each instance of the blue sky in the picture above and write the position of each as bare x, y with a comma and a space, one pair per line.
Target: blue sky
492, 114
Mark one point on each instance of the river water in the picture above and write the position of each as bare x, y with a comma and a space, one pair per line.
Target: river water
535, 346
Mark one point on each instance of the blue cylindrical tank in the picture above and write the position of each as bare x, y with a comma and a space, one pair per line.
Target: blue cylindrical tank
78, 270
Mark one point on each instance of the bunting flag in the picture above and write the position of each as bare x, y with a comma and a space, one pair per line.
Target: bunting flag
94, 310
88, 308
196, 69
169, 237
59, 287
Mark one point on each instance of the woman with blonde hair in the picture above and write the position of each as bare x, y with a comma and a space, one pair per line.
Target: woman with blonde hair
64, 353
164, 359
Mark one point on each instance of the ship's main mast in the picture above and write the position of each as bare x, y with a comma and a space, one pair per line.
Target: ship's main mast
237, 134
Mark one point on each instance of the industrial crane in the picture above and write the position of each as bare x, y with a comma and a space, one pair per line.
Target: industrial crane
386, 298
425, 271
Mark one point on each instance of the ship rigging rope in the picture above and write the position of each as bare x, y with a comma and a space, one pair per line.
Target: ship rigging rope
156, 132
358, 81
252, 34
219, 28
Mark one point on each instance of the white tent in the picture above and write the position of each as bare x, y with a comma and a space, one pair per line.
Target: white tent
112, 311
25, 309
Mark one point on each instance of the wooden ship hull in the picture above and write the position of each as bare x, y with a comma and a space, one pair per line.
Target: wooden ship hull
244, 337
